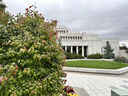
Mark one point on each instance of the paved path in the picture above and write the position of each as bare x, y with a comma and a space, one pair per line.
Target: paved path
97, 84
80, 91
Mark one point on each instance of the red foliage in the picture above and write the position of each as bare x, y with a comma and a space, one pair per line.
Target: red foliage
27, 9
68, 89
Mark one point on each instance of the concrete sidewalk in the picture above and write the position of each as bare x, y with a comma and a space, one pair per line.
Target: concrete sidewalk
80, 91
97, 84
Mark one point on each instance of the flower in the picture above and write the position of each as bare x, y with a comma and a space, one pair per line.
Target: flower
30, 6
23, 18
42, 17
16, 67
55, 21
11, 68
25, 68
22, 50
44, 42
0, 12
40, 14
72, 94
32, 91
65, 74
1, 79
26, 9
26, 14
6, 79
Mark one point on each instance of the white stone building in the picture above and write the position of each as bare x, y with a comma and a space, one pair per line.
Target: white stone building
83, 43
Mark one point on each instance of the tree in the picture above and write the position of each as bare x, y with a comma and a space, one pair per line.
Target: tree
31, 60
108, 51
4, 15
2, 6
125, 48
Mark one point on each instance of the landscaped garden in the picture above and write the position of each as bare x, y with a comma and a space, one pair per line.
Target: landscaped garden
96, 64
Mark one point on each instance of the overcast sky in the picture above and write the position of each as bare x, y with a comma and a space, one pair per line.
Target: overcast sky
107, 18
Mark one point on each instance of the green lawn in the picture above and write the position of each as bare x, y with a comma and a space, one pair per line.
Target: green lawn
95, 64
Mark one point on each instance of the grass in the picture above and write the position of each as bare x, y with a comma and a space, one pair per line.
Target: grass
95, 64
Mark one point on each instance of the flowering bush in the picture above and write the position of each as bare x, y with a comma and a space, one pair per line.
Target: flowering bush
31, 60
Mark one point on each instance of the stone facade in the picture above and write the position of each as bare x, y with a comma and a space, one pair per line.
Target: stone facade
84, 43
122, 53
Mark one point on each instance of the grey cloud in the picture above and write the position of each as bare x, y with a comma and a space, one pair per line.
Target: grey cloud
108, 18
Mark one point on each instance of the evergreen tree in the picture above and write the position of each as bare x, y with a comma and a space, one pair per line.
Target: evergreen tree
108, 51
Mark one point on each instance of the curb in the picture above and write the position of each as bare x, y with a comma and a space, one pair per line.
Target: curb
90, 59
91, 70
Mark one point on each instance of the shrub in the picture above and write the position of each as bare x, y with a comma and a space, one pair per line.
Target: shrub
120, 59
73, 56
95, 56
31, 61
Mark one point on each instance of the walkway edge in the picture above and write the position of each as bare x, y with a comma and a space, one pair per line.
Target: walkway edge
91, 70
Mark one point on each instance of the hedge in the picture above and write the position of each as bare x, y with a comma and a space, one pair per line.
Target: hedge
73, 56
95, 56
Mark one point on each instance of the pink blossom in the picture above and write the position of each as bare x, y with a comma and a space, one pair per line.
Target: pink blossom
16, 67
44, 42
1, 79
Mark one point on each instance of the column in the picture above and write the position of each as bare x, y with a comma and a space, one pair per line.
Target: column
76, 49
65, 48
71, 49
82, 50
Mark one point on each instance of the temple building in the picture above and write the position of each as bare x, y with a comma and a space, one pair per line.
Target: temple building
83, 43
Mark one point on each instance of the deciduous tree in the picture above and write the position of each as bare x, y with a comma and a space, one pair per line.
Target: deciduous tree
31, 60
